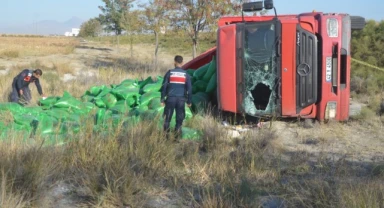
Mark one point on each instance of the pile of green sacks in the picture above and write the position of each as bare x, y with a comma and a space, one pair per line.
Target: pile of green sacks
204, 85
126, 104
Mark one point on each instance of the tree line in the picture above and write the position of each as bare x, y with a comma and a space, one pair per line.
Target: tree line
190, 16
368, 46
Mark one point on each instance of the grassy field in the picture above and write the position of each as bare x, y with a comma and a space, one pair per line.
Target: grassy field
134, 166
173, 43
14, 47
137, 167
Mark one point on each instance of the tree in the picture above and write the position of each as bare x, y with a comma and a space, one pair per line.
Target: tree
155, 18
132, 24
91, 28
367, 45
112, 14
195, 16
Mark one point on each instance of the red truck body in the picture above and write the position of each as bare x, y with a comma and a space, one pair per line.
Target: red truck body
283, 66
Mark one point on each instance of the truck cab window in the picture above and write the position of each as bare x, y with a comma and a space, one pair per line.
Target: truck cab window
259, 68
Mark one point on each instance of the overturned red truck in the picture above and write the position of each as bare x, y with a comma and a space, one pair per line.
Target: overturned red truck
283, 65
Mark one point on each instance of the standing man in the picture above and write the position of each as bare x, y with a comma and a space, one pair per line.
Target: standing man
20, 90
175, 92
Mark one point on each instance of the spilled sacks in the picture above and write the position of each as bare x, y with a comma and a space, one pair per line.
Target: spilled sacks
58, 117
204, 85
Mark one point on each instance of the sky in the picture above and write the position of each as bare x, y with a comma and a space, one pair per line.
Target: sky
19, 12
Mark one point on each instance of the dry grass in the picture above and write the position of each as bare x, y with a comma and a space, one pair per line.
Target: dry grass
14, 47
62, 68
9, 53
137, 167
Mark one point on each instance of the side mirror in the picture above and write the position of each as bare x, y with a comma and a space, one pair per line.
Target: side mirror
253, 6
268, 4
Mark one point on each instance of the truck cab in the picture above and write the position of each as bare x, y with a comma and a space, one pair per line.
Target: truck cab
283, 65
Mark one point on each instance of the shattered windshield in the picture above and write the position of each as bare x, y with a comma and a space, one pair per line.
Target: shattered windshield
260, 78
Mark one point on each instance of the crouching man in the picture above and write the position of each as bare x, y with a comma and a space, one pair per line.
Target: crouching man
20, 86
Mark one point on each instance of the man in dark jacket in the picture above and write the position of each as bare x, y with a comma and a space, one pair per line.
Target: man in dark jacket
175, 92
20, 90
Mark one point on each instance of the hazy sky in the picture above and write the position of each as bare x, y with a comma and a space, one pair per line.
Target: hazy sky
18, 12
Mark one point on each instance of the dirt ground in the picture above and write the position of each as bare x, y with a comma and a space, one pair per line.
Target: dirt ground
356, 141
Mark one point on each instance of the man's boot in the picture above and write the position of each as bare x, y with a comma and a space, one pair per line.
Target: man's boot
178, 134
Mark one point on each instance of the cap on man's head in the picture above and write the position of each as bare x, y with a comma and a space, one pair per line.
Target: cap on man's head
178, 59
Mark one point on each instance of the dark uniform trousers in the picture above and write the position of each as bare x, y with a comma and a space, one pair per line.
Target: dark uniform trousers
172, 104
15, 96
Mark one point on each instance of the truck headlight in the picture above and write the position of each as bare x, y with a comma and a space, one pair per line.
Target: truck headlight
332, 27
330, 110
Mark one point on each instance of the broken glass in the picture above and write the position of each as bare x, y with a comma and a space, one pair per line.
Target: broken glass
260, 70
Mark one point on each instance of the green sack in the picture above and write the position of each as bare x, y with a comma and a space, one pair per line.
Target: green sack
121, 107
88, 107
100, 115
172, 123
32, 110
138, 111
109, 100
200, 72
95, 90
87, 98
190, 134
155, 104
159, 79
103, 92
129, 83
195, 89
145, 82
142, 108
188, 112
58, 113
153, 87
49, 101
123, 93
12, 107
147, 97
24, 119
73, 117
100, 103
211, 70
22, 128
149, 115
67, 101
200, 86
47, 124
190, 72
69, 127
200, 101
212, 84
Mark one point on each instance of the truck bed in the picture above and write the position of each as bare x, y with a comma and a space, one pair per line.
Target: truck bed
200, 60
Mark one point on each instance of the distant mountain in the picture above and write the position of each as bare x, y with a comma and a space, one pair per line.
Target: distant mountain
44, 27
